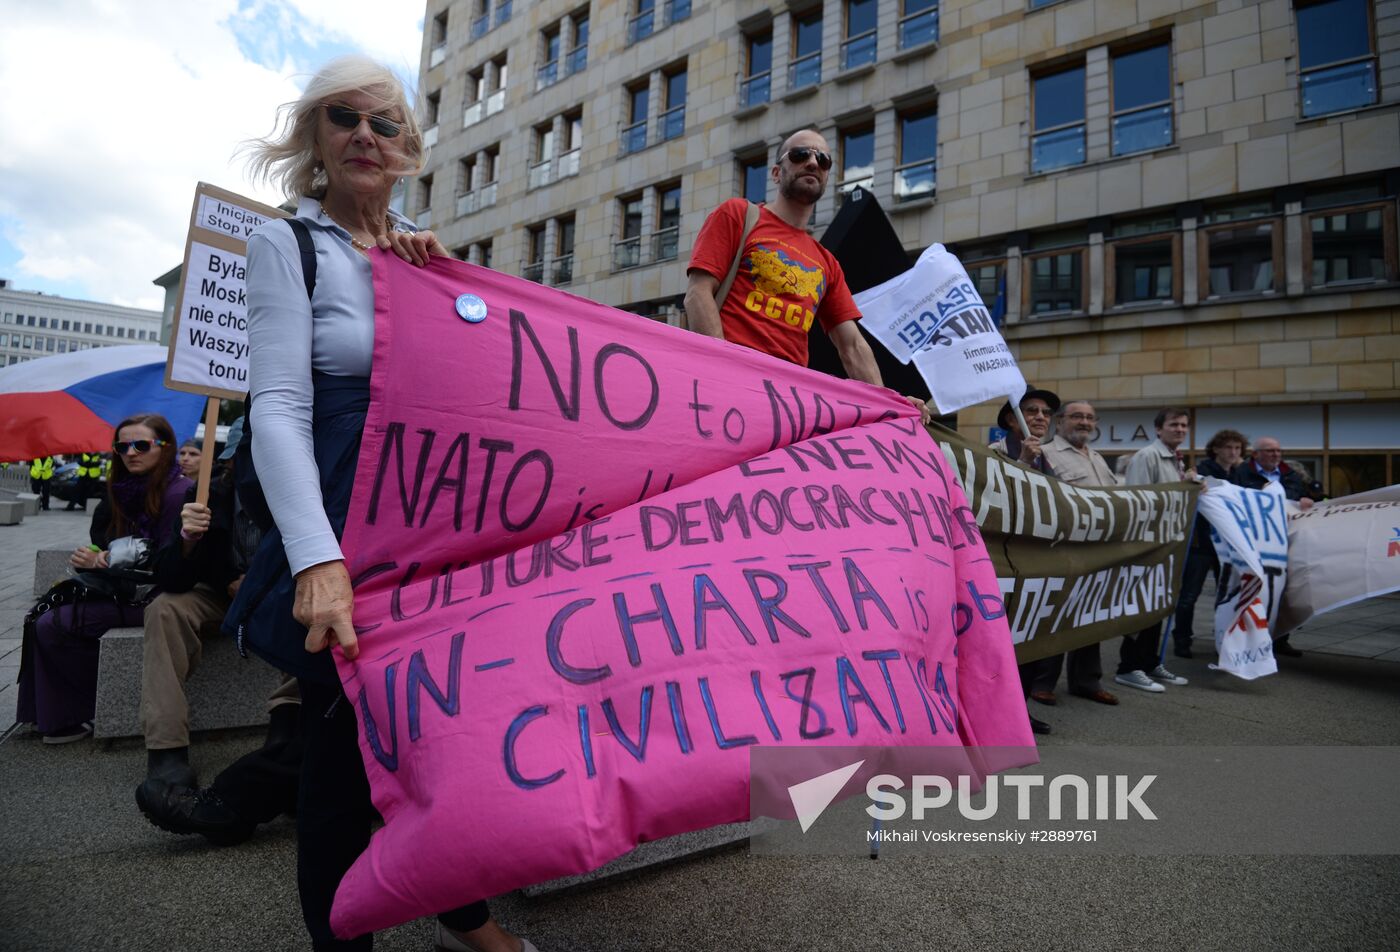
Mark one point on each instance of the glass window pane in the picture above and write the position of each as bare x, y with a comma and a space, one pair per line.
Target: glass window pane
857, 154
1331, 31
1348, 247
551, 47
1142, 130
1059, 98
1141, 77
1143, 272
639, 104
581, 32
760, 54
756, 182
1056, 283
1339, 88
631, 218
860, 17
675, 90
918, 137
566, 237
1054, 150
1242, 259
807, 36
916, 6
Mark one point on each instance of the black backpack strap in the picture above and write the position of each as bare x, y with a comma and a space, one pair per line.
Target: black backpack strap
308, 254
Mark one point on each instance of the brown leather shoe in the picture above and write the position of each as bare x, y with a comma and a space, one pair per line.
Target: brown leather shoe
1044, 697
1102, 696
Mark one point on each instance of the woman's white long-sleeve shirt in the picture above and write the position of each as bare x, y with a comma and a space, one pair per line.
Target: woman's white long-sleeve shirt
288, 338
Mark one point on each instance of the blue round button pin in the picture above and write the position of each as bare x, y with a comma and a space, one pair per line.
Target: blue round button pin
471, 308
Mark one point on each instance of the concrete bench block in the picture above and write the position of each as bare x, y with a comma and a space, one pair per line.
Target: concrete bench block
11, 513
50, 566
226, 689
657, 853
31, 503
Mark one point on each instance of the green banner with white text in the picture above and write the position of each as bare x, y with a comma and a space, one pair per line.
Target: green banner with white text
1077, 565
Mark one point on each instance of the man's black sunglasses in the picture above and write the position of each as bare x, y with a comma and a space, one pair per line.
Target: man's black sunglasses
140, 446
801, 154
348, 118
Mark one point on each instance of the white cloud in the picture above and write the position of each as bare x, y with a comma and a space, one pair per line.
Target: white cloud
113, 111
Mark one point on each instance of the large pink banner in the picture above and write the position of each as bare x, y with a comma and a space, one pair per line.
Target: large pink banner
597, 558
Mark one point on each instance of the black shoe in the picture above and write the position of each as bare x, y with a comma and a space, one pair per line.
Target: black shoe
1039, 727
1183, 651
170, 767
1282, 647
186, 811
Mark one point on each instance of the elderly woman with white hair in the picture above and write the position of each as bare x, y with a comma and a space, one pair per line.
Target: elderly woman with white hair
339, 150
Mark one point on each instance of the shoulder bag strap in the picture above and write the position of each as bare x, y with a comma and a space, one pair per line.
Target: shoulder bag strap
308, 254
750, 220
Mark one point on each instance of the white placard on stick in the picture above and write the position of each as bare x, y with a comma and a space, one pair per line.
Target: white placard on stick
209, 334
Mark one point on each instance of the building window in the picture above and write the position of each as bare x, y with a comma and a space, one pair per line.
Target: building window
43, 322
87, 328
1239, 248
857, 160
627, 250
859, 46
64, 325
643, 21
986, 266
497, 100
1055, 277
503, 11
914, 178
481, 21
476, 97
753, 179
425, 201
634, 134
1336, 56
806, 66
671, 124
484, 249
548, 73
438, 48
564, 252
431, 104
1353, 245
757, 85
578, 56
1143, 262
573, 144
1142, 100
542, 155
676, 11
918, 23
534, 250
1058, 139
666, 241
477, 179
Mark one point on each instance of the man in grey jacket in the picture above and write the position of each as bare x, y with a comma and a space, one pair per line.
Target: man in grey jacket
1139, 664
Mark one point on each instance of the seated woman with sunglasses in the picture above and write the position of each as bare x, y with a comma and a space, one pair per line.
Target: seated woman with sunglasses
339, 151
58, 673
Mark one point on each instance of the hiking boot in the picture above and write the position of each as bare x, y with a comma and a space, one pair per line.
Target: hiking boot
186, 811
1139, 680
170, 767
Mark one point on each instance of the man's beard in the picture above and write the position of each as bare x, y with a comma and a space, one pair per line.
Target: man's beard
800, 189
1077, 438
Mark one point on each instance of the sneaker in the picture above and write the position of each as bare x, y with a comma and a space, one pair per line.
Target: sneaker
70, 734
1160, 673
182, 810
445, 941
1139, 680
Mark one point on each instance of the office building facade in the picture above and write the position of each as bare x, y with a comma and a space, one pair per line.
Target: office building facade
1177, 202
36, 325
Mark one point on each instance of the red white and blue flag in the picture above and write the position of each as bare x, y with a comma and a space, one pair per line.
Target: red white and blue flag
69, 403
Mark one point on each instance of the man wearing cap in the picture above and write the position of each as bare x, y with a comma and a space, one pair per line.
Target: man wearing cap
1072, 460
1036, 407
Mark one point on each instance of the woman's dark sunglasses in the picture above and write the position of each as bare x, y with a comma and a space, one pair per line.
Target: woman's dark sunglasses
348, 118
800, 155
121, 448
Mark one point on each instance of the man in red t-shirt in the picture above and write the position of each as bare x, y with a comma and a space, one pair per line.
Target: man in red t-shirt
785, 279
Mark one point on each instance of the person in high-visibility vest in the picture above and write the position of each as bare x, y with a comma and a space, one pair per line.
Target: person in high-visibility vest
89, 469
40, 472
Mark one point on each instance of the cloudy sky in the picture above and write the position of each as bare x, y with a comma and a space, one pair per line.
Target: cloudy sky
113, 110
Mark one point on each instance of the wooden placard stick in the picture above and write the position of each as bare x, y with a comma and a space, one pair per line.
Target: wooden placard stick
206, 457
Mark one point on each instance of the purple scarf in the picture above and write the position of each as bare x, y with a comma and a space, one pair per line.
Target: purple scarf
130, 494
